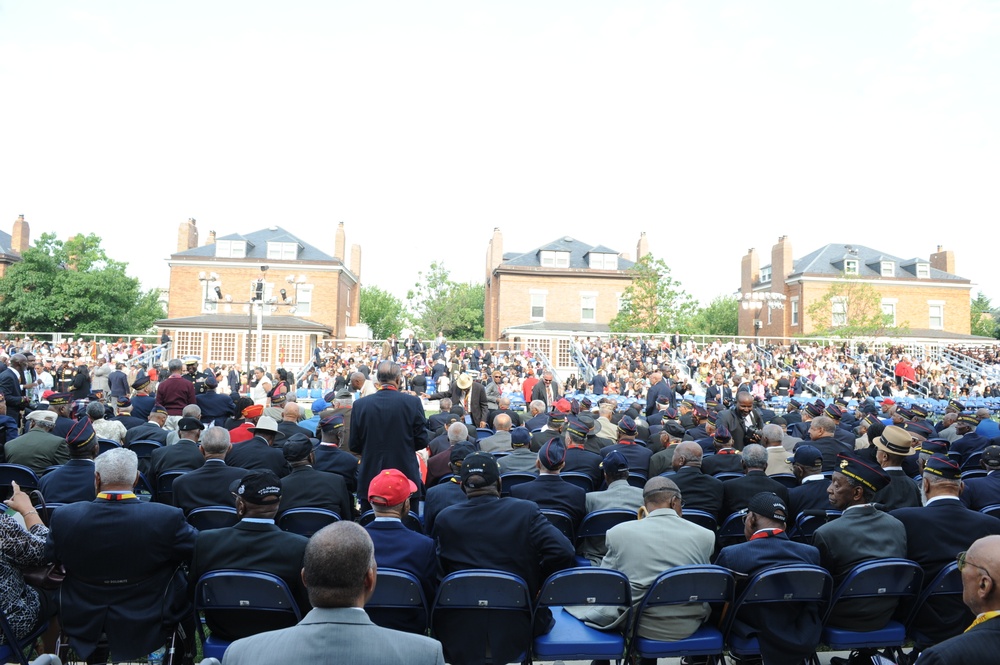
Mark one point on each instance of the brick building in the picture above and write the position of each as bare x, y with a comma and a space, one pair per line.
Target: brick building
13, 244
218, 289
565, 286
924, 295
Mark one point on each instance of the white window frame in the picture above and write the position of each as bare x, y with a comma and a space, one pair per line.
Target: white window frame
208, 291
534, 296
795, 310
890, 304
765, 274
588, 298
923, 271
231, 249
547, 259
838, 303
303, 306
931, 305
887, 269
852, 267
282, 251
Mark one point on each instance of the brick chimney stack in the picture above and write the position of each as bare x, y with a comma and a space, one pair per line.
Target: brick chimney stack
494, 253
210, 240
356, 289
187, 235
20, 236
781, 264
340, 244
943, 260
642, 248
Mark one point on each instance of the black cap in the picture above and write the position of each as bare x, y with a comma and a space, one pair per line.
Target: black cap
480, 464
188, 424
260, 487
297, 447
768, 504
460, 451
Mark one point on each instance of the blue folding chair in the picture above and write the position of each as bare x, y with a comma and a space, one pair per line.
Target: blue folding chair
991, 510
684, 585
562, 521
701, 518
806, 525
22, 475
570, 638
731, 531
880, 578
581, 480
242, 598
15, 649
104, 445
45, 511
306, 521
475, 603
637, 479
165, 486
781, 584
143, 489
787, 479
593, 527
144, 448
483, 432
213, 517
947, 587
398, 602
510, 480
411, 520
727, 475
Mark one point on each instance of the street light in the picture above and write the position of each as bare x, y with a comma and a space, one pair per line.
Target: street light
756, 301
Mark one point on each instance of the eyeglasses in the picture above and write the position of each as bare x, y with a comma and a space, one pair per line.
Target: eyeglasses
963, 562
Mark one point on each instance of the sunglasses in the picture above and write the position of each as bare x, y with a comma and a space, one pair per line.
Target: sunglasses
963, 562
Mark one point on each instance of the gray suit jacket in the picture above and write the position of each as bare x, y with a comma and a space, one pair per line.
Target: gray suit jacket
343, 634
496, 443
642, 550
619, 496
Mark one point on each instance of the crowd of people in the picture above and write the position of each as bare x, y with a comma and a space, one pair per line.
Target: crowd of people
484, 484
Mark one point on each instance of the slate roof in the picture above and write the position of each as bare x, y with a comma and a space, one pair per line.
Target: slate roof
5, 243
829, 260
257, 246
242, 321
577, 255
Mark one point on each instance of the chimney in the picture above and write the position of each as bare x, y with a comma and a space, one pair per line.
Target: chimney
749, 270
641, 249
781, 264
187, 235
210, 240
494, 253
943, 260
625, 255
341, 243
20, 236
356, 289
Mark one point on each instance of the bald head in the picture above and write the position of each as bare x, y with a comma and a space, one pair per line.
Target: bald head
388, 372
501, 422
982, 562
687, 453
291, 412
339, 566
659, 492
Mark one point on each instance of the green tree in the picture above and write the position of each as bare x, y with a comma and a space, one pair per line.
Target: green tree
382, 311
439, 304
654, 302
983, 322
719, 317
852, 308
73, 287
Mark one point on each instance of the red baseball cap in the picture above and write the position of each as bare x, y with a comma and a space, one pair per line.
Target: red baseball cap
391, 487
888, 400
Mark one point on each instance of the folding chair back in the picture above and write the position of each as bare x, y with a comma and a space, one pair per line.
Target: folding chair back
249, 600
510, 480
681, 586
398, 602
637, 479
144, 448
581, 480
946, 586
597, 523
104, 445
306, 521
570, 638
727, 475
411, 521
731, 531
165, 486
561, 521
787, 479
22, 475
483, 432
993, 510
212, 517
701, 518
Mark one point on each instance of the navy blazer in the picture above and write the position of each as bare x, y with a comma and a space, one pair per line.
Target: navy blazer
982, 492
306, 487
637, 455
808, 496
787, 632
71, 482
440, 497
968, 444
334, 459
254, 453
736, 493
554, 493
206, 486
979, 645
581, 460
699, 491
387, 430
398, 547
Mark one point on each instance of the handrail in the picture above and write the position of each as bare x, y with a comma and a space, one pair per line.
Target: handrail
148, 356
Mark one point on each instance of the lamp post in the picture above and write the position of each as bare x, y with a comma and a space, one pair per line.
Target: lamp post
755, 301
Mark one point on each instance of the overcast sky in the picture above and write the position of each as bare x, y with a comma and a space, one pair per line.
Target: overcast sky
712, 126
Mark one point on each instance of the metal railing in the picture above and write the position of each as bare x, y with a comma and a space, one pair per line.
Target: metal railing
586, 370
150, 356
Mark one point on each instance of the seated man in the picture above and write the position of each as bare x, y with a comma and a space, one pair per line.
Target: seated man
137, 601
981, 641
396, 546
449, 492
810, 495
305, 487
254, 544
619, 495
38, 448
736, 493
209, 484
182, 455
330, 456
522, 459
549, 491
74, 480
861, 534
788, 633
511, 535
660, 540
701, 491
339, 573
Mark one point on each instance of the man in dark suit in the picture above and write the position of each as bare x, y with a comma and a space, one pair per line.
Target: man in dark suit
289, 426
184, 455
737, 492
981, 641
700, 492
11, 382
637, 454
743, 421
74, 480
329, 456
659, 387
549, 491
143, 401
546, 390
537, 416
471, 396
503, 407
441, 419
788, 632
982, 492
861, 534
719, 391
387, 429
118, 382
578, 458
215, 408
306, 487
810, 495
448, 492
935, 534
509, 535
969, 440
792, 415
209, 484
821, 430
124, 415
152, 430
135, 600
554, 427
254, 544
257, 452
396, 546
892, 446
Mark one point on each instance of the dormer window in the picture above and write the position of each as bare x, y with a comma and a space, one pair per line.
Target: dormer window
850, 266
550, 259
888, 269
231, 249
599, 261
765, 274
923, 271
286, 251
